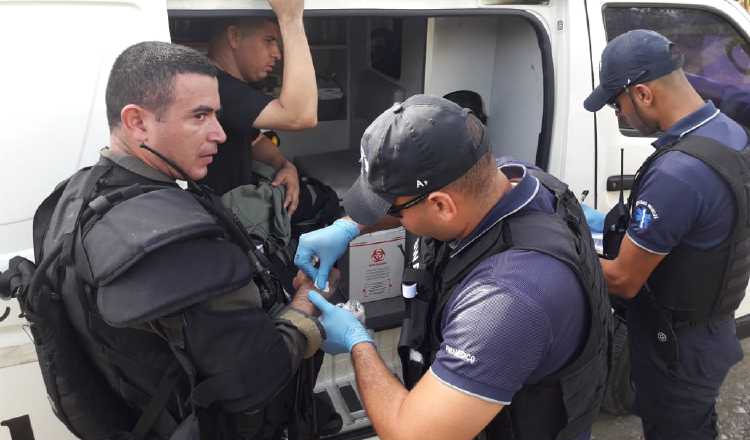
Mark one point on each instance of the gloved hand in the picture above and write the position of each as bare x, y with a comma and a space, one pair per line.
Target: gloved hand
328, 244
343, 329
594, 218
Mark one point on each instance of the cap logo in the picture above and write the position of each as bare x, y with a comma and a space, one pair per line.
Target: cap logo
421, 183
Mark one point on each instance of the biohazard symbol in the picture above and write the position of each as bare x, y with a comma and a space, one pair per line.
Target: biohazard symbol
378, 255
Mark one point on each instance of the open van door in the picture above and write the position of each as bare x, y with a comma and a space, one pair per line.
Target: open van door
58, 55
715, 42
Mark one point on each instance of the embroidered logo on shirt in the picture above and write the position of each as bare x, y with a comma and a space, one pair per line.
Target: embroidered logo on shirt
644, 215
468, 357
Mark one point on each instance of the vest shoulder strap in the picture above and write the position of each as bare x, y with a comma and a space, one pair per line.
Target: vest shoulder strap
733, 166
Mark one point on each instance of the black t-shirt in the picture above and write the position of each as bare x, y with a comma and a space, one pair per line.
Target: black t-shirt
240, 106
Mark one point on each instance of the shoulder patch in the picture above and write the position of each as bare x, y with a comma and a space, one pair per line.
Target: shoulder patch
644, 215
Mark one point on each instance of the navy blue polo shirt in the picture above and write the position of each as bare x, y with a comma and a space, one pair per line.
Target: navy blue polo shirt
517, 317
681, 199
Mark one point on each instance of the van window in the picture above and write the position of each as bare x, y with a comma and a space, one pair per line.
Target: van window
716, 55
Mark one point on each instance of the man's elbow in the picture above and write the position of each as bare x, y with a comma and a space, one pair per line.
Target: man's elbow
310, 121
619, 282
623, 286
303, 122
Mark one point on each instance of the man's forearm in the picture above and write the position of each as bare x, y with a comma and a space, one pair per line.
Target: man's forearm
299, 90
382, 393
618, 282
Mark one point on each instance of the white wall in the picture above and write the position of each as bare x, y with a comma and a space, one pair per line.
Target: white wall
517, 102
499, 58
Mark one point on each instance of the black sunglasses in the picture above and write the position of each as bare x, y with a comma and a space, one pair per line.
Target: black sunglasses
395, 210
613, 103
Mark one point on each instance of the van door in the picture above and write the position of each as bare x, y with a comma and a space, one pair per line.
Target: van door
58, 56
713, 36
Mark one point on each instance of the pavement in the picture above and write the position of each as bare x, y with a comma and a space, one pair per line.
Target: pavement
733, 407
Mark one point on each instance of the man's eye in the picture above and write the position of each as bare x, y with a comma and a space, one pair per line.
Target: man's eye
201, 116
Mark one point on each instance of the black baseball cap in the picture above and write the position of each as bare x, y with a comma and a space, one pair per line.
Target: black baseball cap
413, 148
634, 57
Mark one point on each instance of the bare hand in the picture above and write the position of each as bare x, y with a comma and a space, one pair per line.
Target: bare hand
287, 9
288, 176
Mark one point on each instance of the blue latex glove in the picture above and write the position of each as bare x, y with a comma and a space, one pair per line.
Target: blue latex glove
343, 329
594, 218
328, 244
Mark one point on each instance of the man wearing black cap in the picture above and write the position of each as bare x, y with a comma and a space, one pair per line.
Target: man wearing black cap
510, 313
684, 262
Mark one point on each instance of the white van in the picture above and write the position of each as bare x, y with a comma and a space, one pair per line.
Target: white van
533, 62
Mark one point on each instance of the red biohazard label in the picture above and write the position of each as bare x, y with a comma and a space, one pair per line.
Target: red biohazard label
378, 255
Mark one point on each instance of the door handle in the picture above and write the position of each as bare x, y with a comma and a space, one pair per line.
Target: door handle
613, 182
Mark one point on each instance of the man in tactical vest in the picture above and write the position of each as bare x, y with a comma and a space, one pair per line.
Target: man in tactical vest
684, 262
507, 332
173, 307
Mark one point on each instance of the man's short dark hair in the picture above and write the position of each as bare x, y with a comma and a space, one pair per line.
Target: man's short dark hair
143, 74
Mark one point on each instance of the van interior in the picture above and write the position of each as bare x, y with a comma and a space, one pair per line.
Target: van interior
366, 63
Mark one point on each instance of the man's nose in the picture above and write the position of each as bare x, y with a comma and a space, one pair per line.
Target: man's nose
276, 51
217, 133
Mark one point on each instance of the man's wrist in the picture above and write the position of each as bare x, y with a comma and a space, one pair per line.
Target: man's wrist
287, 164
290, 20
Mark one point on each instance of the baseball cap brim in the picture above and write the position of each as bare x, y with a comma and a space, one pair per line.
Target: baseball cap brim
598, 99
365, 206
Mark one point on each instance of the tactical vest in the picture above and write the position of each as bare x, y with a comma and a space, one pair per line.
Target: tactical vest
103, 253
562, 405
718, 287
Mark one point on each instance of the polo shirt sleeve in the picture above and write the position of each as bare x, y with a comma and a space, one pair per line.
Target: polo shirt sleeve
494, 337
668, 205
240, 106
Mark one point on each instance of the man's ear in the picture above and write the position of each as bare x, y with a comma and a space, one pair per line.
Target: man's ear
644, 94
234, 36
443, 205
133, 121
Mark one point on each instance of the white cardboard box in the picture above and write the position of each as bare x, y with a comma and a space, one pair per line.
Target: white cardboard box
375, 264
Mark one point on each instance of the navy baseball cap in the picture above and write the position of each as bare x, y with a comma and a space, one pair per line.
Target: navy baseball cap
413, 148
634, 57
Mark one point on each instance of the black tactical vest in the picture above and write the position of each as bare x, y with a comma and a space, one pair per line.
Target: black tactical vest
697, 285
159, 389
560, 406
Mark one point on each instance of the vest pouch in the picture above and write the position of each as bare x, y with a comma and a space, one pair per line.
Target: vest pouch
79, 394
577, 396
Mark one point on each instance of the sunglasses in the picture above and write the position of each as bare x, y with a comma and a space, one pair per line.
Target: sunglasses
395, 210
613, 104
